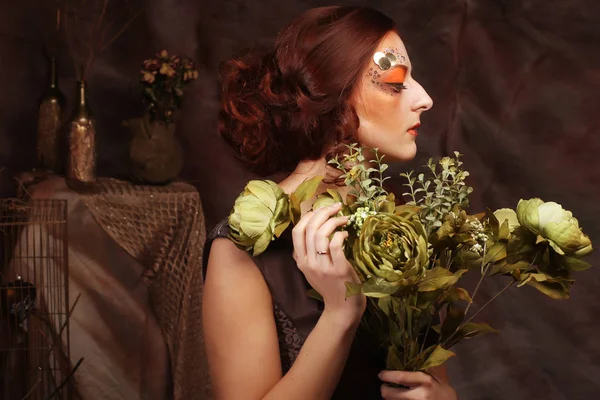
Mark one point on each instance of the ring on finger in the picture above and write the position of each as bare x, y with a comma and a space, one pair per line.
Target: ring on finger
322, 253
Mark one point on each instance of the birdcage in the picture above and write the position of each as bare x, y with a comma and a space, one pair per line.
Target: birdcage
34, 302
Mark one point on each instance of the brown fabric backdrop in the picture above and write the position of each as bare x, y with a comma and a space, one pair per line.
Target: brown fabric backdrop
515, 85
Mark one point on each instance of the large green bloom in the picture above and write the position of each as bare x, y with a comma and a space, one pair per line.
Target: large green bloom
554, 224
260, 213
392, 248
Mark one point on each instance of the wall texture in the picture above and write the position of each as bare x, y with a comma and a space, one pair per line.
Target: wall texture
515, 85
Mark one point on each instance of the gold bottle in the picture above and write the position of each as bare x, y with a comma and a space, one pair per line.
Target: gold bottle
50, 136
81, 160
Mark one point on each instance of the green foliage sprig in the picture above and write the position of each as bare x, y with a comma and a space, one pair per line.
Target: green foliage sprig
438, 190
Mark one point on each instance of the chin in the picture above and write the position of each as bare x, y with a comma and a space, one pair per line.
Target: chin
404, 152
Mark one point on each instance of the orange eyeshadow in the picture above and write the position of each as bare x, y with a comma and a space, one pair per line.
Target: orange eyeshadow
396, 75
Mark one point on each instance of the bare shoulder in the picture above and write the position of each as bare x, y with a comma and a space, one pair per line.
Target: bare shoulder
223, 251
232, 275
239, 326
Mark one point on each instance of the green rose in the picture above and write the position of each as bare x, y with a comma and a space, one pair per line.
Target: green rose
555, 225
390, 252
260, 213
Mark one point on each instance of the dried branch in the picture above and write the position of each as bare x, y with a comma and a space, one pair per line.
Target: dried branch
123, 29
32, 389
66, 380
69, 35
94, 33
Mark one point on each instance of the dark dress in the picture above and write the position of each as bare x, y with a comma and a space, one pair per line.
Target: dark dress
296, 315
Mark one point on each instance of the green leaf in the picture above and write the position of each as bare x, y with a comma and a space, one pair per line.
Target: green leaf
335, 195
390, 307
426, 300
467, 259
556, 290
574, 264
262, 243
394, 360
407, 211
305, 191
279, 229
439, 278
504, 232
504, 268
353, 289
378, 287
365, 183
507, 217
457, 293
469, 330
437, 357
454, 317
495, 253
472, 329
530, 276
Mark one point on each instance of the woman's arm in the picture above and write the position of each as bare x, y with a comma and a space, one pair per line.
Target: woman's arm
239, 329
241, 337
240, 333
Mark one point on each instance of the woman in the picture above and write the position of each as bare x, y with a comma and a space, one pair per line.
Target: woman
337, 75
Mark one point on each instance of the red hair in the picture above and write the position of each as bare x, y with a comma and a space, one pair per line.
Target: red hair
294, 104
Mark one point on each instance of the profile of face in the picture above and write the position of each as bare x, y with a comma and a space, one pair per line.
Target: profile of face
389, 101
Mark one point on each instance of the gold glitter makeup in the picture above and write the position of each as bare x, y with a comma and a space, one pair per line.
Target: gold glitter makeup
389, 58
394, 65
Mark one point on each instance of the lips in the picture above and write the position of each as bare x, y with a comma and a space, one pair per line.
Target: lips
414, 129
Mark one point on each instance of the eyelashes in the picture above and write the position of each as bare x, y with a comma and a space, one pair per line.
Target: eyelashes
394, 79
393, 83
396, 87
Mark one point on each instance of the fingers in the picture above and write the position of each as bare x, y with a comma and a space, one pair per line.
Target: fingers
393, 393
406, 378
305, 228
312, 228
323, 235
421, 386
299, 238
336, 247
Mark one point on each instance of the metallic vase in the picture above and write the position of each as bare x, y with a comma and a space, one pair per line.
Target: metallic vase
81, 163
50, 136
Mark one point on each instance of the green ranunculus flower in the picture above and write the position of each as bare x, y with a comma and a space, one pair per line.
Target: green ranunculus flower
260, 213
555, 225
393, 249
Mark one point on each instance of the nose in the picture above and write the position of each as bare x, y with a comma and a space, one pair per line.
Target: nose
423, 101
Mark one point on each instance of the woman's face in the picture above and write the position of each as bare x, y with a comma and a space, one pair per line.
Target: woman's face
389, 102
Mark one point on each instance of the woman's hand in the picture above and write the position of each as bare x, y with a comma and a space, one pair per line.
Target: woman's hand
324, 264
421, 386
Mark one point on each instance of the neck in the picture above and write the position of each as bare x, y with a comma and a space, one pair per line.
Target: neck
309, 169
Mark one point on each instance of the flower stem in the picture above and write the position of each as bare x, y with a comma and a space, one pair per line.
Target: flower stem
504, 289
483, 275
477, 312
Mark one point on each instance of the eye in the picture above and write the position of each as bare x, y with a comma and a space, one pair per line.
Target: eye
397, 87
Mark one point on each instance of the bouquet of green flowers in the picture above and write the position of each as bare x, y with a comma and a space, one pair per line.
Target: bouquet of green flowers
411, 258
